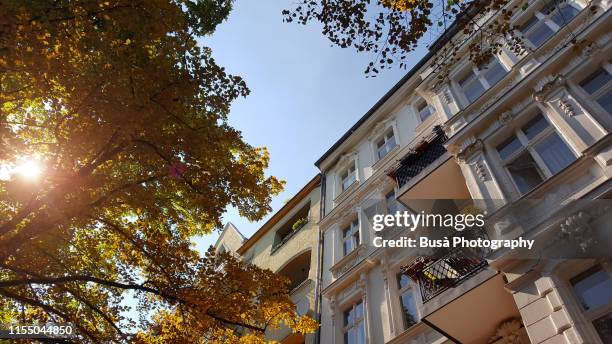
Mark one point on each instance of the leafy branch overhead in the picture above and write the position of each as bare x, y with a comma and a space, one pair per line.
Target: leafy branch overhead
126, 115
392, 29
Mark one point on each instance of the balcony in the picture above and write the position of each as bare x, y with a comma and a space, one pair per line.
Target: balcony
428, 173
455, 282
291, 227
420, 157
449, 269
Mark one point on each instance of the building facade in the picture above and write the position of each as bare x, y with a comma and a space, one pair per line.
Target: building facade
526, 137
528, 131
288, 244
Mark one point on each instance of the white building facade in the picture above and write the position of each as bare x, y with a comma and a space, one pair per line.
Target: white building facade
529, 127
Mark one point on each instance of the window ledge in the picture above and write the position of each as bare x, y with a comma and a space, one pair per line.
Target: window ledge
348, 261
344, 194
410, 333
427, 124
390, 154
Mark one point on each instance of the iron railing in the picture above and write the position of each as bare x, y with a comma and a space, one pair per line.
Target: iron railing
424, 154
447, 268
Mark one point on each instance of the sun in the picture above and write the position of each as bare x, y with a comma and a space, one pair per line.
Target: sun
28, 169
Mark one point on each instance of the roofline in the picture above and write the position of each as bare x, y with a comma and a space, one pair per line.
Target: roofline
225, 228
438, 43
299, 196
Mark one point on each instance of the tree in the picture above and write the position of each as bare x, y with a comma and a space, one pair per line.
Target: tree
391, 29
125, 116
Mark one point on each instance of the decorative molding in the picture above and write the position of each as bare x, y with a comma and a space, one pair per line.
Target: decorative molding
380, 127
481, 170
362, 282
348, 262
506, 117
576, 228
468, 147
546, 85
346, 158
567, 105
332, 308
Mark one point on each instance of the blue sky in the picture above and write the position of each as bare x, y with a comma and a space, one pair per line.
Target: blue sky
304, 93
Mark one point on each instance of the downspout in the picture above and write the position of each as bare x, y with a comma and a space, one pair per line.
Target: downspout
319, 281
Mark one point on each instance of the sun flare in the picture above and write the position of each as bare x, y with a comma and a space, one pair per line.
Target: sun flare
29, 169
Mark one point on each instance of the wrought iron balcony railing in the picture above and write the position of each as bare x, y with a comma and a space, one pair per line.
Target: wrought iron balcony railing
424, 154
436, 274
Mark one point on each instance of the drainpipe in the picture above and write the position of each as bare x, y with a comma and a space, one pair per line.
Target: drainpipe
319, 281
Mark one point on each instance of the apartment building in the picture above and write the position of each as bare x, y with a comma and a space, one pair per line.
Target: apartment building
526, 135
287, 244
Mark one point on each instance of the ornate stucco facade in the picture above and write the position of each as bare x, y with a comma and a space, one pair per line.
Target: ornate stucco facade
529, 135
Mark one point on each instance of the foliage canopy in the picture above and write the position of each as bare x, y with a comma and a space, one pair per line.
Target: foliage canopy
126, 116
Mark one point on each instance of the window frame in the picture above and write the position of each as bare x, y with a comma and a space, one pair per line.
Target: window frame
411, 287
417, 109
478, 75
385, 140
354, 236
590, 315
347, 171
529, 145
356, 321
593, 98
399, 205
545, 19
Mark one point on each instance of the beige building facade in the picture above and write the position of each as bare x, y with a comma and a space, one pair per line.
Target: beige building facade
288, 244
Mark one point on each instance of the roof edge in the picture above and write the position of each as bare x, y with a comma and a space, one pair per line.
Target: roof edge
293, 201
438, 43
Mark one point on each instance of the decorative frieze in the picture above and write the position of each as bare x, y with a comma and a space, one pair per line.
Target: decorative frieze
546, 85
577, 228
481, 170
468, 147
505, 117
348, 262
567, 106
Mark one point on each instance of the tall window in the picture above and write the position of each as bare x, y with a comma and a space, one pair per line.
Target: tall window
393, 205
599, 86
423, 109
407, 294
385, 143
349, 176
477, 80
354, 324
534, 153
350, 237
548, 20
592, 288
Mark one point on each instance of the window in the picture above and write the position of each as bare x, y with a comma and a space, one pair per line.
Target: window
393, 205
354, 327
349, 176
599, 86
407, 294
534, 153
385, 143
592, 287
478, 80
603, 326
350, 237
423, 109
548, 20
